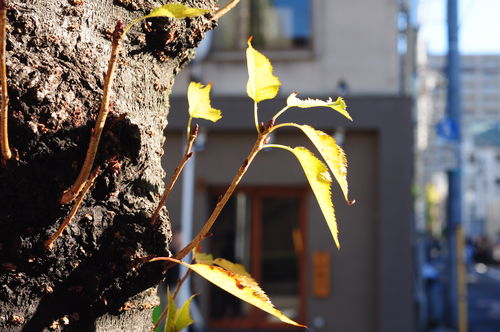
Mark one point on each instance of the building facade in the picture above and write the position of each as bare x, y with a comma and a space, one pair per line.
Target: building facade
273, 224
480, 84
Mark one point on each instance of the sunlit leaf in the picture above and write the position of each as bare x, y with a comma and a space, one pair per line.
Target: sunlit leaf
156, 315
320, 181
232, 267
203, 258
208, 259
338, 105
176, 10
240, 286
199, 102
262, 84
172, 10
332, 153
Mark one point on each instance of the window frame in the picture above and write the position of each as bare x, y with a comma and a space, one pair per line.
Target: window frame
290, 54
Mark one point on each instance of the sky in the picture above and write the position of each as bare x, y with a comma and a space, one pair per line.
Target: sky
479, 26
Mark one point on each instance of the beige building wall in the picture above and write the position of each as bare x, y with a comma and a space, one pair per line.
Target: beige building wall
354, 40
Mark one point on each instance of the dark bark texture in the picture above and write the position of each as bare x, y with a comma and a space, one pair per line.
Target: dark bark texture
57, 51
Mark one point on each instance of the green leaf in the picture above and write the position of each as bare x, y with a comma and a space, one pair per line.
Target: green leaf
320, 181
332, 153
183, 317
262, 84
156, 315
338, 105
199, 102
238, 285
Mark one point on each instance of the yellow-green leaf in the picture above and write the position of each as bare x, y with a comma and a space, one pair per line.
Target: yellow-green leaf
232, 267
199, 102
320, 181
171, 310
338, 105
172, 10
203, 258
182, 317
176, 10
240, 286
262, 84
333, 154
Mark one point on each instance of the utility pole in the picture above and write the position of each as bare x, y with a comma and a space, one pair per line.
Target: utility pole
454, 206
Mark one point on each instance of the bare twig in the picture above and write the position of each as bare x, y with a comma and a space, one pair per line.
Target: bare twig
164, 313
223, 11
4, 132
70, 194
175, 176
50, 242
261, 140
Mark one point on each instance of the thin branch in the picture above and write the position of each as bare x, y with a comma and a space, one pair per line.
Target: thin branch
50, 242
4, 115
261, 141
175, 176
70, 194
223, 11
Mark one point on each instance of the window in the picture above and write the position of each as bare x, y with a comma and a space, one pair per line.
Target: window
261, 228
274, 25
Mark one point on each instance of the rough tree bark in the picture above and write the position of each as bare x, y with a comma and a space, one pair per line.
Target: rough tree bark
57, 51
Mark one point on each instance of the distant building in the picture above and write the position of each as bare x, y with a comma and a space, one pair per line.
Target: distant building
363, 51
480, 85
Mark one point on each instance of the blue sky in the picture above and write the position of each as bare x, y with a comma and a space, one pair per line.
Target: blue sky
479, 26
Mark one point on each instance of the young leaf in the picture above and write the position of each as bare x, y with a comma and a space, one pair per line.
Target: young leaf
176, 10
156, 315
182, 317
208, 259
232, 267
332, 153
172, 10
199, 102
338, 105
203, 258
238, 285
262, 84
320, 181
172, 309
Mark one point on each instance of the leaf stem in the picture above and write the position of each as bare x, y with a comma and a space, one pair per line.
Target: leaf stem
223, 11
256, 116
175, 176
280, 112
229, 191
50, 242
281, 125
4, 133
279, 146
70, 194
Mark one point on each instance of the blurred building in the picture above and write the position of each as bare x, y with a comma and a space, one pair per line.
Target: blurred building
364, 51
480, 84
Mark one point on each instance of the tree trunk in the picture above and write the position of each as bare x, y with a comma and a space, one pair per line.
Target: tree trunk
57, 51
